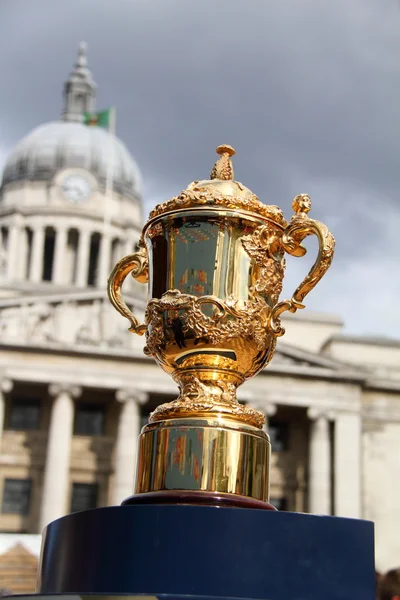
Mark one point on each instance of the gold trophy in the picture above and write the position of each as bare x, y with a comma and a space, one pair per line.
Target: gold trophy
214, 261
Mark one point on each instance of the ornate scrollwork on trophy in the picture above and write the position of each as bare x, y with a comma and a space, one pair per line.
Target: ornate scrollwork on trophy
137, 265
229, 320
298, 229
199, 196
264, 245
156, 230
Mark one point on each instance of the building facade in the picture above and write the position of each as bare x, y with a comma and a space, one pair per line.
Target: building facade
76, 388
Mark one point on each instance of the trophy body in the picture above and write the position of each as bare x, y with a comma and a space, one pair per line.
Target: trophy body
209, 310
207, 326
213, 259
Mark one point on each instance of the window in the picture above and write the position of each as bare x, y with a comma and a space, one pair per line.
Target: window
279, 503
93, 259
25, 414
28, 256
279, 436
71, 267
16, 496
80, 103
89, 419
84, 496
49, 245
4, 238
116, 252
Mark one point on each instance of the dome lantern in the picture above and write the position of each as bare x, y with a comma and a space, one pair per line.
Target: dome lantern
79, 89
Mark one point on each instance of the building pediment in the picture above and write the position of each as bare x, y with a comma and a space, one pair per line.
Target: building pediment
292, 360
85, 321
71, 321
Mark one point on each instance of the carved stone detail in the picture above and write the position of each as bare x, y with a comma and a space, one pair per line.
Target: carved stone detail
56, 389
317, 412
131, 395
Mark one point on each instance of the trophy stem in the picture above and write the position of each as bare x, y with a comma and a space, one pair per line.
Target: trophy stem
206, 392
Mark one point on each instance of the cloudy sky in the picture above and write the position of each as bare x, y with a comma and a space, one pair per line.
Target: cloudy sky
307, 91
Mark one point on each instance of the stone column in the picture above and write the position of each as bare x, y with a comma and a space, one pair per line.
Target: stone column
59, 255
347, 465
6, 386
320, 463
36, 269
12, 251
83, 257
127, 443
56, 474
23, 254
104, 261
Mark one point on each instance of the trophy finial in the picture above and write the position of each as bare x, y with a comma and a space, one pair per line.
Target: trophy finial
223, 168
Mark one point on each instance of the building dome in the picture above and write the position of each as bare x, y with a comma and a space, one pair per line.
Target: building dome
70, 196
54, 146
69, 143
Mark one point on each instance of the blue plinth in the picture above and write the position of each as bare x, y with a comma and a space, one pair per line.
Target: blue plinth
208, 551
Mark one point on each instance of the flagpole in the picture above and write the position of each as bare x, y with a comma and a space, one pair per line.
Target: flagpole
106, 241
108, 193
110, 172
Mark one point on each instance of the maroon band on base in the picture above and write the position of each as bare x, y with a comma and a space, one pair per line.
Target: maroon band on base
198, 498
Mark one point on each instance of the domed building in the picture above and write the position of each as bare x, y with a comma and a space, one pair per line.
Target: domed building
71, 196
75, 386
70, 208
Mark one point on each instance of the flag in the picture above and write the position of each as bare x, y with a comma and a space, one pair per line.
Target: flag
99, 119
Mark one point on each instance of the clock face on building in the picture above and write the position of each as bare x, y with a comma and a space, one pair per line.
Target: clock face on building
76, 188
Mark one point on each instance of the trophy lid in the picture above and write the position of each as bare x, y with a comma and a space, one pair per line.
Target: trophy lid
221, 191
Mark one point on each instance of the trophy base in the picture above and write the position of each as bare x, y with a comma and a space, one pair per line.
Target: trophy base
182, 497
211, 457
158, 550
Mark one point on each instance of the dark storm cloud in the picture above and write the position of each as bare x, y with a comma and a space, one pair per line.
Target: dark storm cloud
307, 91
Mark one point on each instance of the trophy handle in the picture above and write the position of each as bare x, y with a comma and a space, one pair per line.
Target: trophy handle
138, 265
300, 227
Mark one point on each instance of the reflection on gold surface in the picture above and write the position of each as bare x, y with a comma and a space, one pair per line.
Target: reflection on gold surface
213, 455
